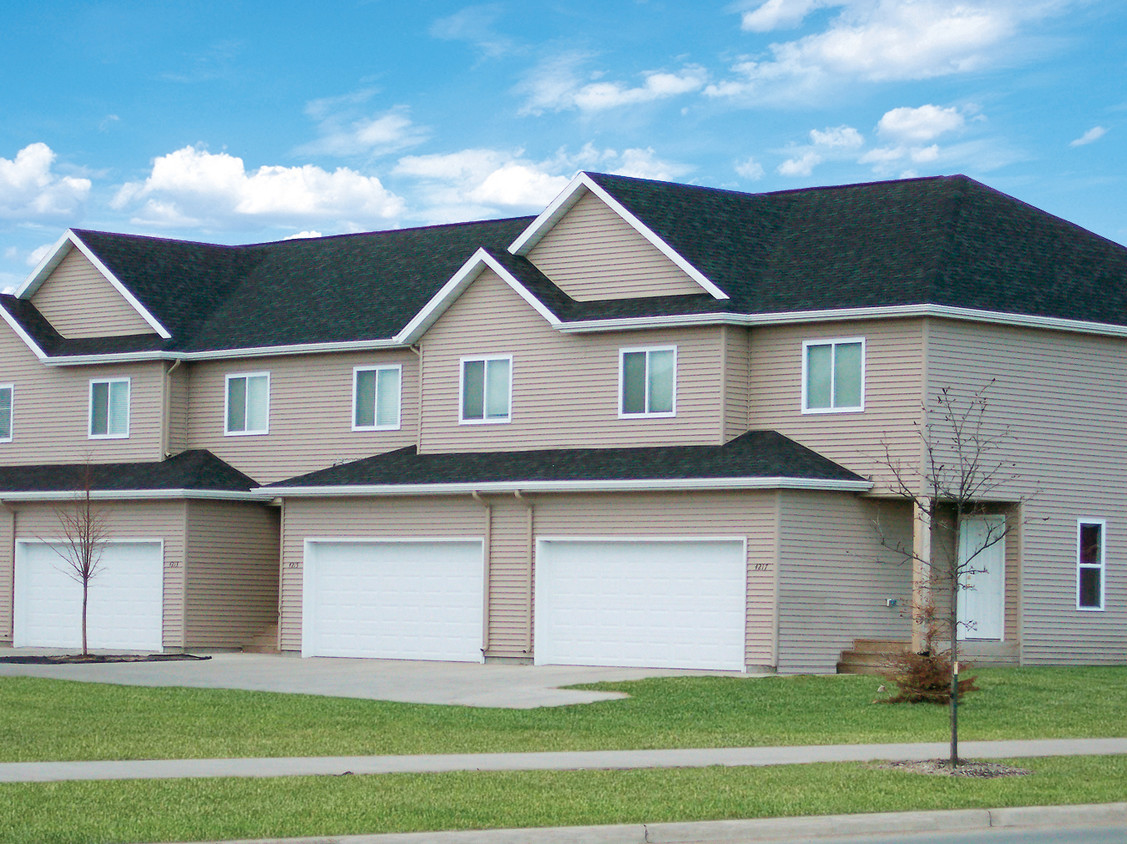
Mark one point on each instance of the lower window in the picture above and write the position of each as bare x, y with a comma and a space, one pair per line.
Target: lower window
1090, 538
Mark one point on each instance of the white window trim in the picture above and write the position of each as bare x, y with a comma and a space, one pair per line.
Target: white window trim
622, 414
462, 420
356, 370
832, 341
1102, 567
227, 401
11, 388
90, 409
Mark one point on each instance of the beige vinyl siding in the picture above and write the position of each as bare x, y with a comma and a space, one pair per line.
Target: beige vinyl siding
310, 424
835, 577
505, 523
893, 397
51, 409
78, 301
592, 253
565, 387
7, 572
1061, 398
144, 520
231, 571
737, 380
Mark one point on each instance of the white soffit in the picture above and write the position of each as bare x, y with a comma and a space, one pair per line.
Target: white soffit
457, 285
62, 248
579, 186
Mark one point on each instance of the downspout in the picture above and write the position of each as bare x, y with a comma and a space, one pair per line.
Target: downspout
530, 543
164, 428
280, 503
417, 349
488, 564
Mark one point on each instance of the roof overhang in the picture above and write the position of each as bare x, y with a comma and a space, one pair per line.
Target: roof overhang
133, 495
70, 240
576, 190
224, 354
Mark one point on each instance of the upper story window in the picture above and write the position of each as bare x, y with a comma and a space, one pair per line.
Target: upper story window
6, 413
648, 379
1090, 564
833, 375
375, 398
109, 409
248, 403
487, 389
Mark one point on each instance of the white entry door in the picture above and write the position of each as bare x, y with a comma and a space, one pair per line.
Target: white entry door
642, 603
125, 609
393, 599
982, 592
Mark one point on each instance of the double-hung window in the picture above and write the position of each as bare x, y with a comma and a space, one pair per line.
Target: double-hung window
6, 413
648, 382
833, 375
1090, 540
487, 389
375, 398
109, 409
248, 403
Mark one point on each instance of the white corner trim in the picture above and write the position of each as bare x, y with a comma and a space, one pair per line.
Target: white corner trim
630, 485
62, 248
23, 335
458, 283
580, 185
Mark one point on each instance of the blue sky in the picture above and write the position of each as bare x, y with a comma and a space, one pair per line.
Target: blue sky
238, 122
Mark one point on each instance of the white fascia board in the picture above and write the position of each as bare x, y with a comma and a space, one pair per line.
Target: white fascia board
658, 485
844, 314
62, 248
134, 495
456, 286
23, 335
228, 354
572, 194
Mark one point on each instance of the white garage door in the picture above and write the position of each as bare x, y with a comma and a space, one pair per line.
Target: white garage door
652, 604
125, 607
393, 599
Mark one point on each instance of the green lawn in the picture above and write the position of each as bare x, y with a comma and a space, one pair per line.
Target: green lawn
57, 720
209, 809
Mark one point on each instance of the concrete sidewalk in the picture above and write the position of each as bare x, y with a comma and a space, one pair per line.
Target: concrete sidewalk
542, 761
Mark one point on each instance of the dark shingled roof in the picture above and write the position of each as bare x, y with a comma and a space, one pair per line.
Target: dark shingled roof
756, 454
198, 470
946, 240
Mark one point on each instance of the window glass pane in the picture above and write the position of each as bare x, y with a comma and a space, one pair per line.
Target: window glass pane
257, 402
1090, 587
819, 363
847, 375
497, 389
99, 408
365, 399
387, 412
634, 382
661, 382
6, 413
119, 408
236, 404
473, 389
1091, 542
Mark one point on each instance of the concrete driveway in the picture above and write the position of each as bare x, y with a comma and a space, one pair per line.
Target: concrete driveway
458, 683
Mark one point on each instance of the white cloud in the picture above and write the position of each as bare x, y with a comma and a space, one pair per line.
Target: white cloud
831, 143
558, 85
302, 235
193, 187
778, 14
31, 191
880, 40
347, 129
843, 137
474, 24
750, 169
38, 254
919, 125
802, 165
1093, 134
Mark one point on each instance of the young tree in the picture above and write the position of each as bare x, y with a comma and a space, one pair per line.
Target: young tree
85, 532
963, 467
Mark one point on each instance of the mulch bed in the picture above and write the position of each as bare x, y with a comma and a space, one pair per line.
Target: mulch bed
942, 767
79, 659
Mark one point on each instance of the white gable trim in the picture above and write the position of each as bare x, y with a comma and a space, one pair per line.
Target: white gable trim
62, 248
459, 282
23, 335
575, 191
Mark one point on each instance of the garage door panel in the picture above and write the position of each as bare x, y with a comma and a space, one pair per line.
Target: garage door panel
394, 600
675, 604
125, 609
